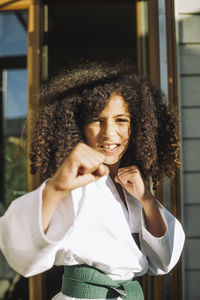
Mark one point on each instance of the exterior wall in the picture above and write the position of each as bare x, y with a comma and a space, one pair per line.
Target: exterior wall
188, 48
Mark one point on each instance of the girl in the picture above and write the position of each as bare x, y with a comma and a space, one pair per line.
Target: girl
101, 134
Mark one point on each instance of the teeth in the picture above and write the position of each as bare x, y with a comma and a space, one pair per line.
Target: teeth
109, 146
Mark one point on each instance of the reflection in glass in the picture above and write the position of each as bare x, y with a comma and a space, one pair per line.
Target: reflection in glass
13, 33
13, 154
16, 94
15, 107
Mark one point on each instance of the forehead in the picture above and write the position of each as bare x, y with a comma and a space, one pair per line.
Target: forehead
116, 106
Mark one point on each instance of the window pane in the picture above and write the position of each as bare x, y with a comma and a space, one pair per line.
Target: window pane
13, 33
15, 107
16, 94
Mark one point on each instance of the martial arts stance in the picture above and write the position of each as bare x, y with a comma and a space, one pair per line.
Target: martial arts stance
101, 135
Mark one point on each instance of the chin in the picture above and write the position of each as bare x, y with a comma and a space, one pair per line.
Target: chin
111, 162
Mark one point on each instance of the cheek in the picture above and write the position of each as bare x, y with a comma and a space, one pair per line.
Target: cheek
90, 134
126, 133
126, 137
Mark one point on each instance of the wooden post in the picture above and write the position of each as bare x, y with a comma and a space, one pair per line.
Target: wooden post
142, 37
154, 51
34, 81
173, 102
158, 285
14, 5
149, 63
34, 69
34, 73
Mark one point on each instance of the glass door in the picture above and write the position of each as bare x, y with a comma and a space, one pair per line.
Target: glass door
13, 110
14, 116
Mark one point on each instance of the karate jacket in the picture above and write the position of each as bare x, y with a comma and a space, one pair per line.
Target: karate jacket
91, 226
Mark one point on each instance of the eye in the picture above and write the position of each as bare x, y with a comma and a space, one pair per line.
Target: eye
122, 120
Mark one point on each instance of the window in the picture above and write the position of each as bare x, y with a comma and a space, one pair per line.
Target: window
13, 110
13, 81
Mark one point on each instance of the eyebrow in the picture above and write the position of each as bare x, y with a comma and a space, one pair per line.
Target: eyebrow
121, 115
115, 116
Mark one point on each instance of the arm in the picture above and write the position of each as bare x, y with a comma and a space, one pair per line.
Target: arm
163, 252
162, 236
153, 218
22, 241
35, 226
131, 180
83, 166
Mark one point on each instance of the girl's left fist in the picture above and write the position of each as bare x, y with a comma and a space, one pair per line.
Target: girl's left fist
131, 179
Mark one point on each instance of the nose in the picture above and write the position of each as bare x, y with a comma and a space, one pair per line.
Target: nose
108, 130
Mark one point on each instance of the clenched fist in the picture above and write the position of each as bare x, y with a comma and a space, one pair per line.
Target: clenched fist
81, 167
131, 179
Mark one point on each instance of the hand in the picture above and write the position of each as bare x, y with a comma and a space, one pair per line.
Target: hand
81, 167
131, 179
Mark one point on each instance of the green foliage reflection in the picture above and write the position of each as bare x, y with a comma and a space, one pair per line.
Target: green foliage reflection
15, 169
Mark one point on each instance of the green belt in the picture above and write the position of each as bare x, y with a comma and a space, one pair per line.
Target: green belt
86, 282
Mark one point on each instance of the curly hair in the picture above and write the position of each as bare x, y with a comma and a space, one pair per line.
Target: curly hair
74, 97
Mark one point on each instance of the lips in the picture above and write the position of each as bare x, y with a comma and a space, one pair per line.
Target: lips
109, 148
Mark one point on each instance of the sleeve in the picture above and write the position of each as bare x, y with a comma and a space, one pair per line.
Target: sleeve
22, 241
164, 252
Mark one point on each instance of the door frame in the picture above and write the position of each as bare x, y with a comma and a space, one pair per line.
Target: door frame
34, 72
153, 286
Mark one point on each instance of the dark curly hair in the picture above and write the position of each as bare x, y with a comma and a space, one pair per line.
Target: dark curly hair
76, 96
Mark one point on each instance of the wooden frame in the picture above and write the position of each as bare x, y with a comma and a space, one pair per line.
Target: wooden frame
173, 102
149, 63
34, 80
33, 56
154, 51
142, 37
158, 282
154, 72
14, 5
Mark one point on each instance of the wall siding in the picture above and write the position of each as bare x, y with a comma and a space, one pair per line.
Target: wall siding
188, 23
191, 155
191, 122
193, 250
192, 285
191, 222
191, 7
191, 183
190, 58
190, 90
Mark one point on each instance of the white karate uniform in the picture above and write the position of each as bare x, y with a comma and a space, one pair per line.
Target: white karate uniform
91, 226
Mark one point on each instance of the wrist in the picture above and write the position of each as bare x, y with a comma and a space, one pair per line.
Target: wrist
55, 191
148, 199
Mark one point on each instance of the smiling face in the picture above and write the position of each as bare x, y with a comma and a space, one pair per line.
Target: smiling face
109, 133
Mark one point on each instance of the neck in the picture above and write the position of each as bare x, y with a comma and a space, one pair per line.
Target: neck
113, 170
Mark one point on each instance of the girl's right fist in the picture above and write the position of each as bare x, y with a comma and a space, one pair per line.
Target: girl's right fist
82, 166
